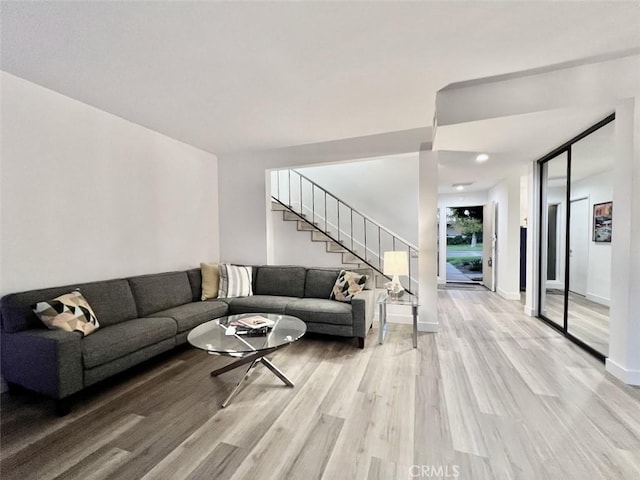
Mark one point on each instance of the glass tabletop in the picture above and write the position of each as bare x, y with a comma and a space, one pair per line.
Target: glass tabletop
212, 336
405, 299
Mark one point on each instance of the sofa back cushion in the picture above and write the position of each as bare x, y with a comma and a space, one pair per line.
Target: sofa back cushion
279, 280
160, 291
320, 282
111, 300
195, 282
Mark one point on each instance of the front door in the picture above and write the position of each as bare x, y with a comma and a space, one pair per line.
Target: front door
489, 246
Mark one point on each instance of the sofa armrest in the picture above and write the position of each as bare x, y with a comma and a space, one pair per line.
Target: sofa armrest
362, 306
46, 361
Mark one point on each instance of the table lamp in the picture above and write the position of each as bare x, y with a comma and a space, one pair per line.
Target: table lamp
395, 264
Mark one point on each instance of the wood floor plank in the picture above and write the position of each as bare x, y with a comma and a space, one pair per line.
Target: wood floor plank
97, 466
380, 469
52, 456
311, 460
221, 463
461, 407
289, 431
350, 457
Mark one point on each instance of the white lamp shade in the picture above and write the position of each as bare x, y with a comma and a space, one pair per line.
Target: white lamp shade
396, 263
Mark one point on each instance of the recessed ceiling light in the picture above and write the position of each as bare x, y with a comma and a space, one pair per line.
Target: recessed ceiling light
459, 187
483, 157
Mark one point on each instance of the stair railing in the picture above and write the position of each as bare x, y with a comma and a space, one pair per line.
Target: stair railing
358, 233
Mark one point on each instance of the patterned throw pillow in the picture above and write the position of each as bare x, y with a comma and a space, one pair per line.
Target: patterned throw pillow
348, 284
235, 281
210, 280
68, 312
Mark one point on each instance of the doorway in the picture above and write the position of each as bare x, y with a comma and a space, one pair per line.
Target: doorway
465, 244
579, 246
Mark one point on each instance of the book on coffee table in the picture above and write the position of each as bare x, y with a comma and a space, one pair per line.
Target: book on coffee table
253, 322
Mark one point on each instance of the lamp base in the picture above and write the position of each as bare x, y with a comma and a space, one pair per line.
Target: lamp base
396, 290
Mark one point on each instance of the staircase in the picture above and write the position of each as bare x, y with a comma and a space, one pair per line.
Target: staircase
359, 240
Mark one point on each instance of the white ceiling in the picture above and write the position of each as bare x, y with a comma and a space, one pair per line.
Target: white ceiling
512, 142
232, 77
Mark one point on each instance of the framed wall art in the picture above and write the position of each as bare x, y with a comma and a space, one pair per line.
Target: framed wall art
602, 217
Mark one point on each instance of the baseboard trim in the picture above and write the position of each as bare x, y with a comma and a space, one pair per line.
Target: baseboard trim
428, 327
530, 311
508, 295
630, 377
403, 319
598, 299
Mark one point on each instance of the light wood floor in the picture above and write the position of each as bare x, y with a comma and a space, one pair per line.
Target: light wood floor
494, 395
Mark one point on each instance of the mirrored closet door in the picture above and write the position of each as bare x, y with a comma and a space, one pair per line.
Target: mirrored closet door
576, 227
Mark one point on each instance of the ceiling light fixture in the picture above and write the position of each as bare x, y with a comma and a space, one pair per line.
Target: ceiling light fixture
483, 157
459, 187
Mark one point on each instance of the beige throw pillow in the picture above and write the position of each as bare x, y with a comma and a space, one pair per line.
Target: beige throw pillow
69, 312
210, 280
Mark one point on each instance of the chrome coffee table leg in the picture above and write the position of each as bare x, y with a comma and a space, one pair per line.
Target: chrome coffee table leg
277, 372
255, 358
239, 384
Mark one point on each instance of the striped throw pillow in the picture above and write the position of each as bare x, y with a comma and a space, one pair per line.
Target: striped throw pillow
235, 281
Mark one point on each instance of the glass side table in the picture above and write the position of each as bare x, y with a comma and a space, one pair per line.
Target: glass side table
406, 300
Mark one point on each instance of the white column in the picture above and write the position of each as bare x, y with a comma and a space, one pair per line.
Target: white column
624, 342
428, 234
442, 235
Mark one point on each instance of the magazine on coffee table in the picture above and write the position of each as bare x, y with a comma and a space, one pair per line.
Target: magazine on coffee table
254, 322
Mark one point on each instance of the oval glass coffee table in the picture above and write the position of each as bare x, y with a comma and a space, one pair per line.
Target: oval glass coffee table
217, 337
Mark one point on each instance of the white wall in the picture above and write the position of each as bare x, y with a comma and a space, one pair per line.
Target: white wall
384, 189
506, 195
88, 196
598, 189
244, 200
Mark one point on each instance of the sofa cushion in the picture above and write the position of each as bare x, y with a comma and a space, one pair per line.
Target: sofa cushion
115, 341
160, 291
193, 314
259, 304
111, 300
331, 329
195, 282
68, 312
235, 281
319, 282
317, 310
278, 280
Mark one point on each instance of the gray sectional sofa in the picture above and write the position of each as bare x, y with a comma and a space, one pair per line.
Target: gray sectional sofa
141, 317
